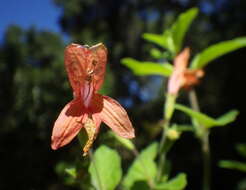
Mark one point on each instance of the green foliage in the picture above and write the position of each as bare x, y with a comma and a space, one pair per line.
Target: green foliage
143, 167
169, 105
157, 54
125, 142
71, 171
147, 68
180, 27
241, 149
177, 183
105, 168
67, 171
217, 50
207, 121
234, 165
172, 39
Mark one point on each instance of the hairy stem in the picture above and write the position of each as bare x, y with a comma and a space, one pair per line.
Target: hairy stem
205, 144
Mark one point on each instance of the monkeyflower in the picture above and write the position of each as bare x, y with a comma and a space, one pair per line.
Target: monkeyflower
182, 76
86, 67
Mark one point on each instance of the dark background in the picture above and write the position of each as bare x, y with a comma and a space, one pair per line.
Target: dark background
34, 87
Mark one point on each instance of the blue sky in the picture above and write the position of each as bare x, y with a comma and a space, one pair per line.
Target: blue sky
42, 14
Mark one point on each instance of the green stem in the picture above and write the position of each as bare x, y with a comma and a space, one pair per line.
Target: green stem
206, 161
204, 138
163, 151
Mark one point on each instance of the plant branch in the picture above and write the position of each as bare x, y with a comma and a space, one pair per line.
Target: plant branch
162, 152
204, 138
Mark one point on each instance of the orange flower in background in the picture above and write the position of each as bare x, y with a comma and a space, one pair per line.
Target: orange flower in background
86, 68
181, 76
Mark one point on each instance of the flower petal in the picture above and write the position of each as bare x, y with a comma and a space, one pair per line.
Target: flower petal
115, 116
177, 78
99, 52
68, 124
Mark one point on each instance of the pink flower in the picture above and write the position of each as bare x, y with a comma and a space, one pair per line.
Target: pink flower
181, 76
86, 68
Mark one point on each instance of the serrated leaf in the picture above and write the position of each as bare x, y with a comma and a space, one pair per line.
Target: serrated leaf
215, 51
143, 167
234, 165
147, 68
177, 183
207, 121
105, 169
180, 27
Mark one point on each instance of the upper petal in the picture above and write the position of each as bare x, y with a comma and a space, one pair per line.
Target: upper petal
99, 52
115, 116
68, 124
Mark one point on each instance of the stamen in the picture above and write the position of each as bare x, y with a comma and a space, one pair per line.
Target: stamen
91, 132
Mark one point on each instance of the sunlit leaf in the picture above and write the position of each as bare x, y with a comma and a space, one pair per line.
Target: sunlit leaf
207, 121
217, 50
165, 40
234, 165
177, 183
156, 53
172, 38
143, 167
155, 38
180, 27
147, 68
105, 169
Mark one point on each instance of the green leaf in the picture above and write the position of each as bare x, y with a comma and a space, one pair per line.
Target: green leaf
105, 169
241, 148
147, 68
183, 128
215, 51
165, 40
156, 53
172, 39
71, 171
180, 27
207, 121
156, 39
228, 117
143, 167
234, 165
125, 142
177, 183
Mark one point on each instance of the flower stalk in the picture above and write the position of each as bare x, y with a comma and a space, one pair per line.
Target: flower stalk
204, 139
